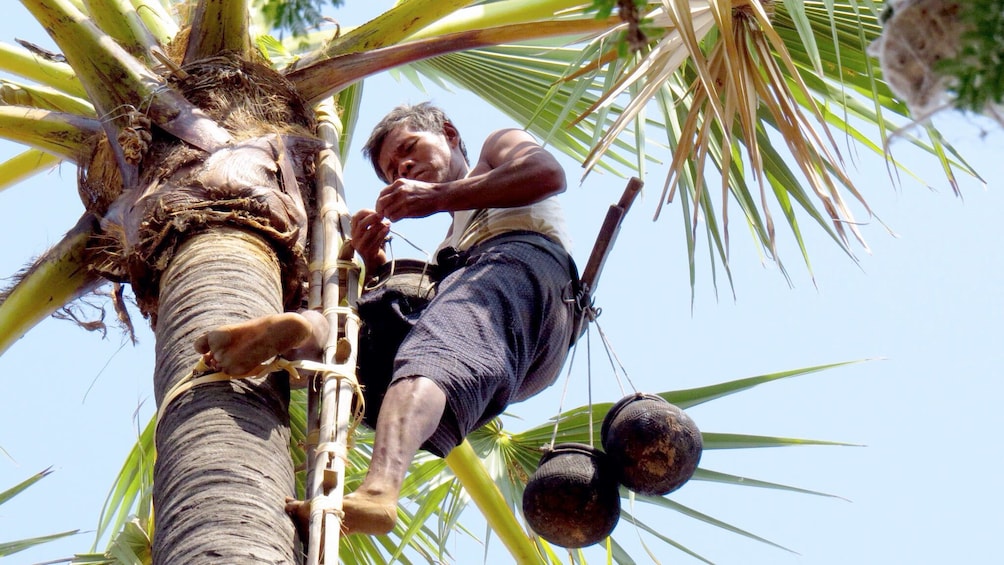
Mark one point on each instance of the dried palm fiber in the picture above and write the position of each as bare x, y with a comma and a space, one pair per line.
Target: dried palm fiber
259, 182
916, 36
655, 446
572, 499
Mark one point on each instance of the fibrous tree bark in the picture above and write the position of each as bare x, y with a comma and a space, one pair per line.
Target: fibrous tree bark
223, 469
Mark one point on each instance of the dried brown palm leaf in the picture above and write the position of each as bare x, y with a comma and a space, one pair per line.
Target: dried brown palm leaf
730, 75
658, 65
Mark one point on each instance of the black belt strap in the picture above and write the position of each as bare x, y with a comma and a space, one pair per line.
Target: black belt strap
450, 259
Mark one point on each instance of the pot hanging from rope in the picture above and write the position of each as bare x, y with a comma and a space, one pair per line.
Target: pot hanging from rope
655, 446
572, 499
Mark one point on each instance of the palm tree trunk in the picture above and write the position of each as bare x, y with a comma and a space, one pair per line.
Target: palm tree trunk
223, 467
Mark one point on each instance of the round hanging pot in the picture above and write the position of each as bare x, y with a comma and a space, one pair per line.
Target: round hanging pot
572, 499
654, 445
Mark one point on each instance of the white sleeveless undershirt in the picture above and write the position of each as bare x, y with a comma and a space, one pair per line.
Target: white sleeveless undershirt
471, 227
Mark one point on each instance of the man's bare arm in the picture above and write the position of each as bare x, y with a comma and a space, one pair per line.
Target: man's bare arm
513, 170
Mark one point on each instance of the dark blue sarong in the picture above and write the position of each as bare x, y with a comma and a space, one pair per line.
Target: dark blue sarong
497, 332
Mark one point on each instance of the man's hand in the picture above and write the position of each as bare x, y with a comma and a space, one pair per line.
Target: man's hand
408, 198
369, 233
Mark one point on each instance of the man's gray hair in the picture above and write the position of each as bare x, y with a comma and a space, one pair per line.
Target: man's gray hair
419, 117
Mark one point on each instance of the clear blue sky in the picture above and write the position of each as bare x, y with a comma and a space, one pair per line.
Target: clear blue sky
924, 488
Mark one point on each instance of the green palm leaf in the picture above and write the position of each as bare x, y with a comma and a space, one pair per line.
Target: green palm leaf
819, 49
33, 66
12, 547
46, 98
725, 478
22, 486
130, 499
509, 459
24, 165
56, 278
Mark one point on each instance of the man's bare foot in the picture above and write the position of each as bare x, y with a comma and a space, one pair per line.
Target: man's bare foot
368, 514
238, 349
299, 511
363, 515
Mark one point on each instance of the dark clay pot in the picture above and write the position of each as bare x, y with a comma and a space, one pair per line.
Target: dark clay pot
653, 444
572, 499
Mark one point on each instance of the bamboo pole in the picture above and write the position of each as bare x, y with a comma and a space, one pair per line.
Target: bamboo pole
334, 275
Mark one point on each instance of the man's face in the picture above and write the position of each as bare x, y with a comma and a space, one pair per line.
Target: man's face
420, 155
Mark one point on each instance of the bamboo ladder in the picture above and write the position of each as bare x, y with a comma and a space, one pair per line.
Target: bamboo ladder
332, 274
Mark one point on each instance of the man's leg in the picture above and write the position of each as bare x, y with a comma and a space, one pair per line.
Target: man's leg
410, 413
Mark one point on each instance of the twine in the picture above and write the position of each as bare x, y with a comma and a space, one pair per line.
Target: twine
202, 374
589, 315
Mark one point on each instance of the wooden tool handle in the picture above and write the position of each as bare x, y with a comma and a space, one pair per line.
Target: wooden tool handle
608, 233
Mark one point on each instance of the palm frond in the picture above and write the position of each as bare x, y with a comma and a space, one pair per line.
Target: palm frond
67, 136
481, 486
730, 81
110, 75
120, 20
320, 79
53, 280
523, 81
24, 165
156, 19
130, 546
729, 479
44, 98
630, 519
130, 499
427, 506
219, 26
390, 27
714, 440
41, 68
695, 396
668, 503
23, 485
115, 81
12, 547
507, 460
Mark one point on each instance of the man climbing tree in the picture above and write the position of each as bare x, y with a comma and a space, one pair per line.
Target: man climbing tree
497, 330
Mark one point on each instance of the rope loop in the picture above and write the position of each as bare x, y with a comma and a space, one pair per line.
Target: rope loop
324, 505
340, 264
202, 374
